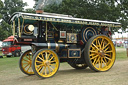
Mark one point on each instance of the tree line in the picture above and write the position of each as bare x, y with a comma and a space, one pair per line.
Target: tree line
106, 10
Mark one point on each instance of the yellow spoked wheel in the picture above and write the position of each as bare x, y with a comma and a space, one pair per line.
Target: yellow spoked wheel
45, 63
100, 53
25, 62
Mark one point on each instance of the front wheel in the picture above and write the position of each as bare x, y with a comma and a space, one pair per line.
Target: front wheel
25, 62
45, 63
100, 53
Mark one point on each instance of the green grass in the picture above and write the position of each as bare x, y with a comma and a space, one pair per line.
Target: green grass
121, 53
12, 61
8, 63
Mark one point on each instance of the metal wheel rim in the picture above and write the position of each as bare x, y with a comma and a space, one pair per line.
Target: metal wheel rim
26, 63
46, 63
102, 53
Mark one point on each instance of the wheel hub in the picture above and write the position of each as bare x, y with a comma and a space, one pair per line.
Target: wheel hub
101, 53
47, 63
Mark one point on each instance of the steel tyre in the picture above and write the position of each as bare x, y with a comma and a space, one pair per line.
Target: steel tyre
100, 53
45, 63
25, 62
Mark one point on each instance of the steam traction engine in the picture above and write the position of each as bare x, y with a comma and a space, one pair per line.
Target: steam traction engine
56, 38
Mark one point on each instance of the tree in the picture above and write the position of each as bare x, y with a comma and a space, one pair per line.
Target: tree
1, 6
11, 6
106, 10
7, 9
29, 10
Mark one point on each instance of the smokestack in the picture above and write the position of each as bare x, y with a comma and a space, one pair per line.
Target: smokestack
40, 6
42, 3
39, 11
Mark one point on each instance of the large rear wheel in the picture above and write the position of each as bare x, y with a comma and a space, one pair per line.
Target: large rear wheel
100, 53
45, 63
25, 62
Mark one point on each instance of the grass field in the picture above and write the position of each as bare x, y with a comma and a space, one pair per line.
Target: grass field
10, 74
12, 62
121, 53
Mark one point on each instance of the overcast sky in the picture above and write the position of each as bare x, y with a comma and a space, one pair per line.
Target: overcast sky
30, 3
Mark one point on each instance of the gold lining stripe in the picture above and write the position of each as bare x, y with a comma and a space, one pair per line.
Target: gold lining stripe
57, 47
54, 27
22, 26
13, 28
19, 27
49, 46
46, 31
74, 50
112, 25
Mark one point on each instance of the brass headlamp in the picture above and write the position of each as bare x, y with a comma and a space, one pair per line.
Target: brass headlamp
28, 29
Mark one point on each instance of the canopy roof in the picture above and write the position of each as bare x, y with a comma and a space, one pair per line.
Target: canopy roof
62, 19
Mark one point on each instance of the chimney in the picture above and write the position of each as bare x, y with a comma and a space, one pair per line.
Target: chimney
39, 6
39, 11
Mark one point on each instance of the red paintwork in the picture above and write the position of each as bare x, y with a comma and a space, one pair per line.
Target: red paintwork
11, 38
10, 49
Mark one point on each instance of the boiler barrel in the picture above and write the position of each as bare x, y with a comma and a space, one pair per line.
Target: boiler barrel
53, 46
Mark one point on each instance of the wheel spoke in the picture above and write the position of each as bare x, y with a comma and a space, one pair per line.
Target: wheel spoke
93, 51
40, 67
43, 69
95, 46
102, 41
52, 61
53, 64
38, 62
28, 67
51, 58
101, 63
30, 57
108, 51
46, 55
25, 63
94, 61
51, 68
105, 46
26, 60
97, 60
99, 44
108, 58
104, 62
107, 55
41, 58
92, 48
94, 57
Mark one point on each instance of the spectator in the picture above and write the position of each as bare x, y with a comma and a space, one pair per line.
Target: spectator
105, 31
